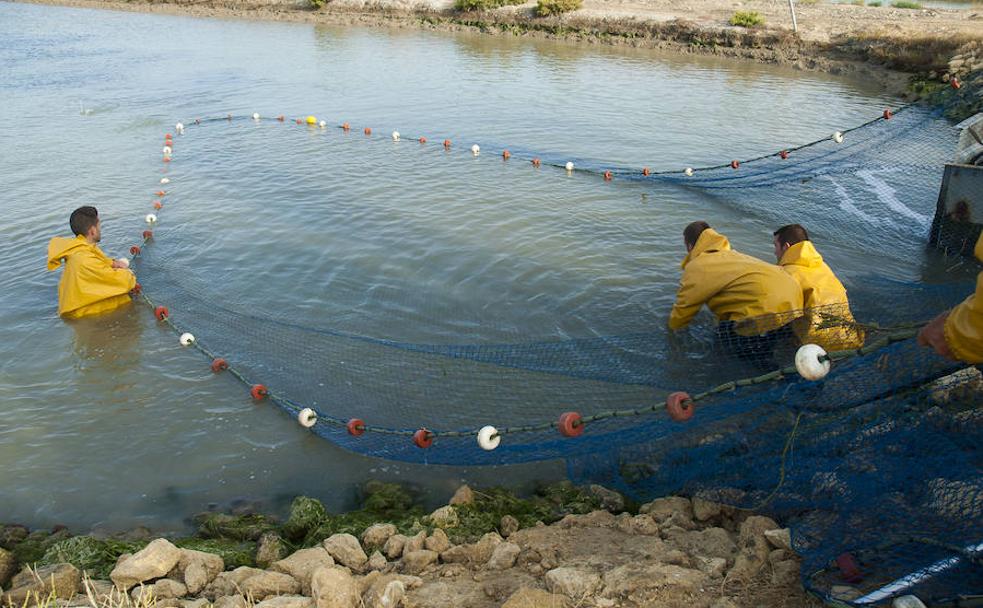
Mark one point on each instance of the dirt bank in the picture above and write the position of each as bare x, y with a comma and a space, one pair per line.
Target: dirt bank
875, 42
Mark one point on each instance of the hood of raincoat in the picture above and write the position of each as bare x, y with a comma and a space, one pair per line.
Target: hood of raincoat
61, 247
710, 240
802, 254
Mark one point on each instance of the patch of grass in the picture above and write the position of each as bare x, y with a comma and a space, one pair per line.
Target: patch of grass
97, 557
234, 527
545, 8
483, 5
857, 2
875, 3
318, 4
906, 4
747, 19
807, 2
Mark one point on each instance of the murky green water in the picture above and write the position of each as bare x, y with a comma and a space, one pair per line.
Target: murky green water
106, 422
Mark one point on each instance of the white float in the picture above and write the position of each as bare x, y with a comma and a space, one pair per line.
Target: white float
688, 171
167, 150
488, 438
187, 339
322, 124
395, 135
569, 166
307, 417
475, 149
151, 218
255, 115
125, 263
179, 127
165, 180
811, 362
838, 137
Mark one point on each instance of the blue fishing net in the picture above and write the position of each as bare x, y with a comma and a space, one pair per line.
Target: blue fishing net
876, 467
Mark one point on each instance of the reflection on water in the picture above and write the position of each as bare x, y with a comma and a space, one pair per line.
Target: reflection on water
110, 422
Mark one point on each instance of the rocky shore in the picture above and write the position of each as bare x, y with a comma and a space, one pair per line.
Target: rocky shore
564, 547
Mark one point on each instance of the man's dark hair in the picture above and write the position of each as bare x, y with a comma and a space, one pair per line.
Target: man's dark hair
82, 219
692, 232
791, 234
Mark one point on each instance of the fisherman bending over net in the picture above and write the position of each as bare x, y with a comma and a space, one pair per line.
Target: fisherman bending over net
754, 301
92, 283
958, 333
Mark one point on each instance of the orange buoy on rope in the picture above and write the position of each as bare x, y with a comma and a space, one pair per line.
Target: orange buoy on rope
783, 154
167, 159
161, 313
345, 126
423, 140
423, 439
536, 162
887, 114
298, 121
281, 117
506, 154
136, 289
134, 250
735, 164
368, 131
447, 143
954, 83
645, 171
570, 424
356, 427
168, 136
607, 176
157, 205
161, 193
258, 391
680, 406
219, 364
148, 234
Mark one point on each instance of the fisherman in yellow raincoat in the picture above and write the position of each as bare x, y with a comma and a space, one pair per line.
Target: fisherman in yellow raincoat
92, 282
958, 333
828, 321
754, 301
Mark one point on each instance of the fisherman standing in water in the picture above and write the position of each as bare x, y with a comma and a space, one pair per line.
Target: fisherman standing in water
92, 282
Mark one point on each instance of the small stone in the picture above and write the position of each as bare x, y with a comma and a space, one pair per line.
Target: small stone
286, 601
572, 582
778, 555
60, 580
609, 499
394, 546
269, 549
724, 602
345, 550
705, 510
463, 496
163, 589
198, 602
415, 543
153, 561
302, 564
231, 601
230, 583
268, 584
197, 569
643, 525
8, 566
508, 526
416, 562
334, 588
438, 541
662, 508
390, 596
713, 567
482, 550
779, 539
377, 561
785, 572
376, 535
444, 517
504, 556
458, 554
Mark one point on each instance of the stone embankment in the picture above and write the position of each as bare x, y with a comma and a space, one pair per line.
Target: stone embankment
670, 552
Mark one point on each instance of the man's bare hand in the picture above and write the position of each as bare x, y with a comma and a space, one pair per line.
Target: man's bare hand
933, 336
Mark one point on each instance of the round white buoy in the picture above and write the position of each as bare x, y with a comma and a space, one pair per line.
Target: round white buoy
151, 218
811, 363
838, 137
488, 438
322, 124
167, 150
475, 149
255, 115
124, 262
165, 180
569, 166
395, 135
307, 417
907, 601
187, 339
179, 127
688, 171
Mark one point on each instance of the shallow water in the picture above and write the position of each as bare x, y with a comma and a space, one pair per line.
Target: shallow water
107, 423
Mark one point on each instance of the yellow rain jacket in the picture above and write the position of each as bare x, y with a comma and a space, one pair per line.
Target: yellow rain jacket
964, 326
90, 285
736, 287
828, 321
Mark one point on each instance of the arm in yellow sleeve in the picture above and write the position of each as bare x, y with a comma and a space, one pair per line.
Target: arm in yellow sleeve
964, 327
695, 289
98, 278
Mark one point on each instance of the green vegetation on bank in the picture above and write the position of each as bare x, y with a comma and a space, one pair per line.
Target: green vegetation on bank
483, 5
546, 8
747, 19
906, 4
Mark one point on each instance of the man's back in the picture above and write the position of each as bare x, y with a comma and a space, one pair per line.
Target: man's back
89, 285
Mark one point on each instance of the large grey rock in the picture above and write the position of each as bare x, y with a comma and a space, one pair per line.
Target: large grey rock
153, 561
482, 550
662, 509
269, 549
302, 564
62, 580
415, 543
8, 566
416, 562
286, 601
394, 546
711, 542
631, 578
230, 583
574, 583
504, 556
463, 496
197, 569
437, 541
705, 510
334, 588
528, 597
345, 550
444, 517
268, 584
376, 535
389, 596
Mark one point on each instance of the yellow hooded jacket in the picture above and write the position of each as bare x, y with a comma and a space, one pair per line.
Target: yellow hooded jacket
964, 325
90, 285
735, 286
830, 322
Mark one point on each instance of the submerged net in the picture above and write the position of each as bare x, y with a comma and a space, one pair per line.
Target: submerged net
876, 468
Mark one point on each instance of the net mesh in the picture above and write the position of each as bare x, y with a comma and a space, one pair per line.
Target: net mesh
876, 468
